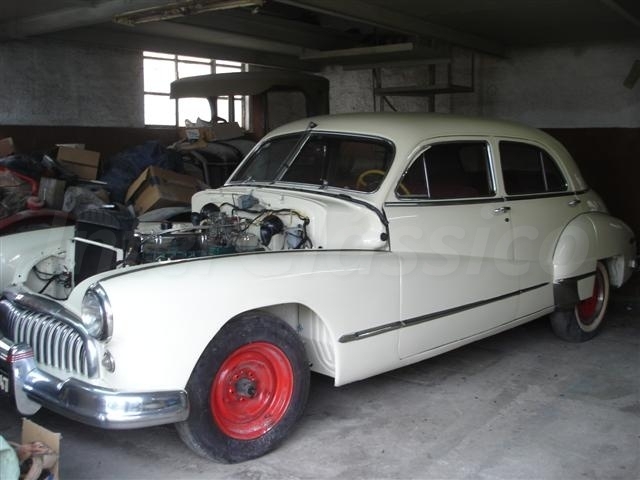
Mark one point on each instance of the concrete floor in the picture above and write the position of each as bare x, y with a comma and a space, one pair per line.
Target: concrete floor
520, 405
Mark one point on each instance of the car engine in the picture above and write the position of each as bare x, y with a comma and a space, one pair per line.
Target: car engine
108, 239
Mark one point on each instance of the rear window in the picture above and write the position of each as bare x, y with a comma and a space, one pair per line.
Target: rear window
528, 170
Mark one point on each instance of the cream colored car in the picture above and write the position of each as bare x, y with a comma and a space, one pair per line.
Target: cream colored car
345, 245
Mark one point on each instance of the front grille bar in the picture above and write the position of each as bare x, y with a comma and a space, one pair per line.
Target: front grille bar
56, 337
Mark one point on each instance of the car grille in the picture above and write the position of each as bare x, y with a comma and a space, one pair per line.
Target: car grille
54, 342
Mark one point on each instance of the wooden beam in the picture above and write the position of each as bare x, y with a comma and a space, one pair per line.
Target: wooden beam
622, 11
72, 17
132, 39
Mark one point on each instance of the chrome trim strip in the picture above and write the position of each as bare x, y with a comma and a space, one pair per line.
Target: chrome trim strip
535, 196
42, 304
416, 202
576, 278
81, 401
389, 327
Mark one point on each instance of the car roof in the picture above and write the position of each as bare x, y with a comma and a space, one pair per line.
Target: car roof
409, 130
417, 125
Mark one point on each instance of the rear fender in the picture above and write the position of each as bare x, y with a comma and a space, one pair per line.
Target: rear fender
587, 239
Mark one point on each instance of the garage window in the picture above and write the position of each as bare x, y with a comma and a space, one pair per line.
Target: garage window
160, 69
528, 169
449, 171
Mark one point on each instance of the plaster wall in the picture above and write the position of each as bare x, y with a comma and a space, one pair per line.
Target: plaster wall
553, 87
55, 83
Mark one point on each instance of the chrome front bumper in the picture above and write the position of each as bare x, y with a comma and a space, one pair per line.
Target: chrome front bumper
82, 401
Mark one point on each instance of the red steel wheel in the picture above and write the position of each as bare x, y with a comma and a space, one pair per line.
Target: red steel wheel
588, 309
584, 320
252, 391
247, 390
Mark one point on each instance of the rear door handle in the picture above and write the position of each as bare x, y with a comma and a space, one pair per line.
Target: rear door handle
501, 210
574, 202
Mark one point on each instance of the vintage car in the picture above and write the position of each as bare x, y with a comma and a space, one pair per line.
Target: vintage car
347, 245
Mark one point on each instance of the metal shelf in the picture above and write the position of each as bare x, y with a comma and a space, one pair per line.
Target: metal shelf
420, 90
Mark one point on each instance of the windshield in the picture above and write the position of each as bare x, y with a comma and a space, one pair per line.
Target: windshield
322, 159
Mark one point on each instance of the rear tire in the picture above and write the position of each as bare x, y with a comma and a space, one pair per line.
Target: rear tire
584, 321
247, 390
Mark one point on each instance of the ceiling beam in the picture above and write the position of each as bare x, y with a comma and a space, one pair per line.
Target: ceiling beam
266, 26
82, 16
390, 54
615, 5
382, 17
133, 39
216, 37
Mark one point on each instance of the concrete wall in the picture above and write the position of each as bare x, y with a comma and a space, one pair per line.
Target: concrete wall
549, 87
52, 83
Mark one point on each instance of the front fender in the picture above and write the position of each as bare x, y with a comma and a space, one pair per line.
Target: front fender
165, 315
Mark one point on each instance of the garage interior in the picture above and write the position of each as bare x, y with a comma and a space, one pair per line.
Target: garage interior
522, 404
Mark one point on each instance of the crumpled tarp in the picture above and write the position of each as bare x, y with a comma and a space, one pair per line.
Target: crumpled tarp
127, 165
14, 192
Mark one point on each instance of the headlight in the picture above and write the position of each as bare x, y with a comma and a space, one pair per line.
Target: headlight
96, 313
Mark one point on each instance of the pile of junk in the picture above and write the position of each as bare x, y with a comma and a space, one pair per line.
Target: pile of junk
149, 181
152, 182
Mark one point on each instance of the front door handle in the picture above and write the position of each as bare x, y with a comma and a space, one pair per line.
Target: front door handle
501, 210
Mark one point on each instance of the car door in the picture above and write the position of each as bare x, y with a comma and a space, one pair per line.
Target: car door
541, 205
452, 234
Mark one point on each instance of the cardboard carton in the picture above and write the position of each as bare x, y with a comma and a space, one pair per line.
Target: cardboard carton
83, 163
157, 188
32, 432
212, 132
6, 147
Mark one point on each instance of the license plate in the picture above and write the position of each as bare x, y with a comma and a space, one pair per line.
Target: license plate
5, 383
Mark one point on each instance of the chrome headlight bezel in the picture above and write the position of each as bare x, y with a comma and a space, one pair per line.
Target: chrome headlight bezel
96, 314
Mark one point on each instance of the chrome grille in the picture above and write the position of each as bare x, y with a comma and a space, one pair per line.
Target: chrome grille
54, 342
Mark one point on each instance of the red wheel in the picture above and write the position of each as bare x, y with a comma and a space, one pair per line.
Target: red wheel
252, 391
588, 310
582, 322
247, 390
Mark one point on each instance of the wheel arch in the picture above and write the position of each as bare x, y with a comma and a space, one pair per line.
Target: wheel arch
590, 238
312, 329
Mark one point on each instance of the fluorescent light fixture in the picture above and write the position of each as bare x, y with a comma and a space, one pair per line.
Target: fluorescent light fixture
181, 9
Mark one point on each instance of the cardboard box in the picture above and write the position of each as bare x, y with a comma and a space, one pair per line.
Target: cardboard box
211, 133
6, 147
83, 163
157, 188
51, 191
32, 432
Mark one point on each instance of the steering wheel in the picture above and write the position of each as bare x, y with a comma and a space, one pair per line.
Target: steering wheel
362, 184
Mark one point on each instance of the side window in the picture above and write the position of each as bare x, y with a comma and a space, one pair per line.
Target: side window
528, 169
449, 170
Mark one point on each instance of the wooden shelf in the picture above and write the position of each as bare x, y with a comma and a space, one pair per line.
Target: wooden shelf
421, 90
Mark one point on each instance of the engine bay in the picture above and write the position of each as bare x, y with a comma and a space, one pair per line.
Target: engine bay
219, 230
225, 221
105, 239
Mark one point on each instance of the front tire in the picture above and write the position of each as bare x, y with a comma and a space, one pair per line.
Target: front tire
247, 390
584, 321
